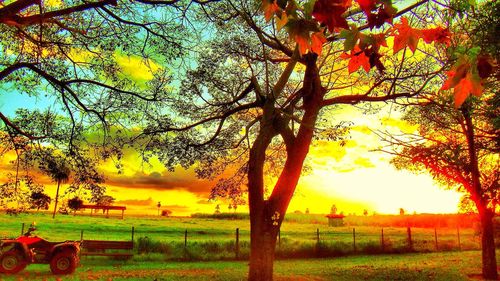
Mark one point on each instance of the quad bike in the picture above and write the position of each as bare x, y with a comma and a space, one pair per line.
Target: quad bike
16, 254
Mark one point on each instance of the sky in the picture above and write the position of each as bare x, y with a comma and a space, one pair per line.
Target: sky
353, 177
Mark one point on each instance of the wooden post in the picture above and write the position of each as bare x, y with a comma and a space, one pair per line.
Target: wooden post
81, 235
354, 239
237, 246
279, 238
22, 229
458, 238
436, 239
123, 211
410, 242
317, 235
185, 238
133, 232
382, 240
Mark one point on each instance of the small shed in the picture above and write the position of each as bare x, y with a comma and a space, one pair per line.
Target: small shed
335, 219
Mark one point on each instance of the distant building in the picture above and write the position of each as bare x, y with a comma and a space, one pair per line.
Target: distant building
335, 219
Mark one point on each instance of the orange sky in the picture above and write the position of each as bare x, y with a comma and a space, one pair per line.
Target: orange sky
352, 177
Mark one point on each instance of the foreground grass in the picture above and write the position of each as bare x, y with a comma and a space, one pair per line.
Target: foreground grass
430, 266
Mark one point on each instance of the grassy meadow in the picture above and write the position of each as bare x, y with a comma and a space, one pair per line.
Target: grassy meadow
441, 266
161, 253
211, 238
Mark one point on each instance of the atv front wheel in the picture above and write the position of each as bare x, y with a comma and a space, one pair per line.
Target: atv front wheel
64, 262
12, 262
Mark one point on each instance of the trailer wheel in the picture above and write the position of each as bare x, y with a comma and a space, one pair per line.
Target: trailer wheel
64, 262
12, 262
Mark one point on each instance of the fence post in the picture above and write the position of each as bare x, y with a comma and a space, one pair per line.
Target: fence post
354, 239
458, 238
410, 242
436, 239
382, 240
81, 235
237, 248
133, 232
317, 235
185, 242
22, 229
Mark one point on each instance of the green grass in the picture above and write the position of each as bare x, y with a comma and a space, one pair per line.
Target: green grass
428, 266
214, 239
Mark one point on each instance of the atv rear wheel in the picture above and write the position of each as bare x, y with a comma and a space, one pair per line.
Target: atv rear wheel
64, 262
12, 262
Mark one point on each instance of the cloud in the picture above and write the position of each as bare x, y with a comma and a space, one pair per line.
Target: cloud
364, 162
185, 180
137, 202
402, 125
136, 68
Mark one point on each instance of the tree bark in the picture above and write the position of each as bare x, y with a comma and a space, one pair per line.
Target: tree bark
489, 261
263, 243
266, 216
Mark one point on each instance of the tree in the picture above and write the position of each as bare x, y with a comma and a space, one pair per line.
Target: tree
166, 213
75, 203
262, 91
333, 209
59, 171
365, 212
105, 200
39, 200
459, 145
217, 209
158, 206
401, 211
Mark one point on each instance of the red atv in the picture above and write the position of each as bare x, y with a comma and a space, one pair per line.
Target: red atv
16, 254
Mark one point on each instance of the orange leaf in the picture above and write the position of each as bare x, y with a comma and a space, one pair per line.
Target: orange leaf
317, 41
406, 36
269, 8
438, 34
303, 43
357, 59
281, 21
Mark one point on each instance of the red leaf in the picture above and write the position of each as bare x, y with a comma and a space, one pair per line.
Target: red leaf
357, 59
463, 82
317, 41
377, 20
438, 34
406, 36
269, 8
484, 66
329, 13
367, 5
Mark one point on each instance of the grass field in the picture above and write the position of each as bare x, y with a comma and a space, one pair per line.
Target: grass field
209, 255
443, 266
214, 239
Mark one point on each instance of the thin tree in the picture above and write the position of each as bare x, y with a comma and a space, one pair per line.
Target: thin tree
59, 171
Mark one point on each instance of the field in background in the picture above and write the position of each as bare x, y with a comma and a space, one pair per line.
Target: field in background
214, 238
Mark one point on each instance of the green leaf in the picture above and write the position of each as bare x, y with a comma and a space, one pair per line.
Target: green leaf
351, 38
308, 8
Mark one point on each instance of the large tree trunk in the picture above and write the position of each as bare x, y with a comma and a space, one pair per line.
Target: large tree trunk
266, 216
263, 244
489, 260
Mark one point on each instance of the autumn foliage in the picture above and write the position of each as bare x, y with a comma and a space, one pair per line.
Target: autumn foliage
327, 20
